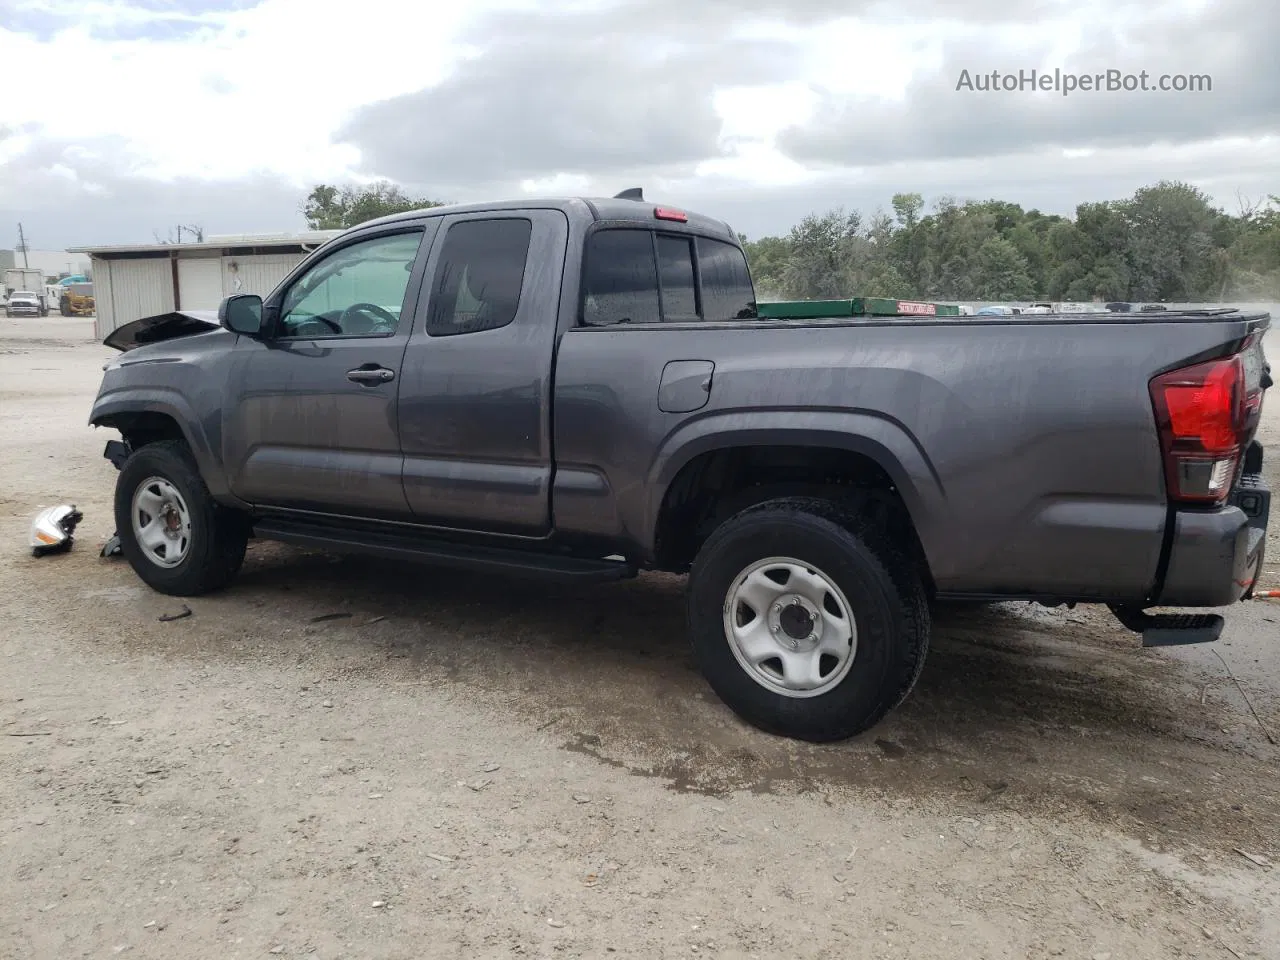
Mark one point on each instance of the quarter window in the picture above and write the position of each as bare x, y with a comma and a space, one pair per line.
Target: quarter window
357, 291
479, 276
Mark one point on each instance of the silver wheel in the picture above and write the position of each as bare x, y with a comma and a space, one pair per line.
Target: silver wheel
790, 627
161, 522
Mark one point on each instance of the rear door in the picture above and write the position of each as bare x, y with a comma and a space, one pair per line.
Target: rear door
310, 420
475, 396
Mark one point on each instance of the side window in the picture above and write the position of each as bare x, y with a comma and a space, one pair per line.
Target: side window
726, 283
675, 270
620, 284
479, 276
358, 291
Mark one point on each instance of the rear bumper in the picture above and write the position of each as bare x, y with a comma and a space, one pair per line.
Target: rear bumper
1216, 555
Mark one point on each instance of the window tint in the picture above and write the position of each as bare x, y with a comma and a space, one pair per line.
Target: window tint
726, 283
675, 267
356, 291
621, 281
479, 276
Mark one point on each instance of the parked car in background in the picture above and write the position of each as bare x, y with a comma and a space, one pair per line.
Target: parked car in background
1118, 306
993, 311
1153, 308
29, 281
22, 303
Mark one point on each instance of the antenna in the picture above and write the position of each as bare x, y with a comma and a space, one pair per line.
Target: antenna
22, 245
631, 193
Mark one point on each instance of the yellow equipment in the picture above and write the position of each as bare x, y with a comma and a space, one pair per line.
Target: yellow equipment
77, 300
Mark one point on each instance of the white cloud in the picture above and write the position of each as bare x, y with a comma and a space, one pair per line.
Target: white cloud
260, 90
221, 109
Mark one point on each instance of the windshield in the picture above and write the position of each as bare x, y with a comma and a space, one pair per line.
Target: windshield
22, 295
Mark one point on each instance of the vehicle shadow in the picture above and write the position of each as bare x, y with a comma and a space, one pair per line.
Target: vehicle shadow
1048, 712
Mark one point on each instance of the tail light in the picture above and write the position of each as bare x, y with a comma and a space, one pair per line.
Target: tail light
1206, 414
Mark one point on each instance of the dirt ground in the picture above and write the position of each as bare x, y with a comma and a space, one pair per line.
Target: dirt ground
464, 767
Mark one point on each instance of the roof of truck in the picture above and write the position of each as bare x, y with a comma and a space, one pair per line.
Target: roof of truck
598, 208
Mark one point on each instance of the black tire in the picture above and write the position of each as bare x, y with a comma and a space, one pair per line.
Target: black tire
218, 535
882, 586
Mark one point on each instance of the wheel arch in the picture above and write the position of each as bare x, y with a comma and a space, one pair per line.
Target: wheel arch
817, 453
145, 416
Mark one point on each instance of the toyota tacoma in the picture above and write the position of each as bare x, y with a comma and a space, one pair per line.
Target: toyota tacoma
587, 388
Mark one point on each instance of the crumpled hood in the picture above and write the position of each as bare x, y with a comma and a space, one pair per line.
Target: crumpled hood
165, 326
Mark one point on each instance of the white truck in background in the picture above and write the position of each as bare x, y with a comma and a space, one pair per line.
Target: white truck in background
26, 278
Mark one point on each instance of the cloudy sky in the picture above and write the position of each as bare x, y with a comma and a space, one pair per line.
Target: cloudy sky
124, 117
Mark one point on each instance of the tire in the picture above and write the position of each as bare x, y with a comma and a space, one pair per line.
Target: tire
210, 554
874, 582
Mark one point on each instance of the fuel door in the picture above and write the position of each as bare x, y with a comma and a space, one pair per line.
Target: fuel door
685, 385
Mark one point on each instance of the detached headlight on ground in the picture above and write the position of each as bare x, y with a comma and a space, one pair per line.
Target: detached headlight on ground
53, 529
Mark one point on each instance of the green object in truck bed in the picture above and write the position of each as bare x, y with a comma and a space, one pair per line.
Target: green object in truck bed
856, 307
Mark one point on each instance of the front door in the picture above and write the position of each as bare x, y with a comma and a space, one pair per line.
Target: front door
310, 422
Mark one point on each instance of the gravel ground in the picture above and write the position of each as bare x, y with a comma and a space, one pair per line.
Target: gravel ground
458, 767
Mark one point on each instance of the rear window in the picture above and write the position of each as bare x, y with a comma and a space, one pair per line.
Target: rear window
675, 273
643, 276
726, 283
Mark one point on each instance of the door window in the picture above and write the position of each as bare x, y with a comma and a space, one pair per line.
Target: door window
357, 291
479, 276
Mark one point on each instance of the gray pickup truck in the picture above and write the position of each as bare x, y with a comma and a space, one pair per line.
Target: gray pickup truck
585, 389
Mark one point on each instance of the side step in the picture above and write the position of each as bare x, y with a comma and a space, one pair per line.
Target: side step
1171, 629
459, 556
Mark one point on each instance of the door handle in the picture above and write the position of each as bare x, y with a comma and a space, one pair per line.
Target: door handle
371, 375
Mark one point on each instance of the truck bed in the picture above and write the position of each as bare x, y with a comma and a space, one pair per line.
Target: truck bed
1025, 447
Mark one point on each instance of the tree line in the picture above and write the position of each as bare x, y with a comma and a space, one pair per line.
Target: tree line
1168, 242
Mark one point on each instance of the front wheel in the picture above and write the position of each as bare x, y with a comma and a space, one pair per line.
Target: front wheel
177, 538
806, 619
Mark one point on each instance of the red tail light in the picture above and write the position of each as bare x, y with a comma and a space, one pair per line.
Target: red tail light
1206, 415
665, 213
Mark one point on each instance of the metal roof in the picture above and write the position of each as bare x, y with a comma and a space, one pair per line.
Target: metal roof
312, 237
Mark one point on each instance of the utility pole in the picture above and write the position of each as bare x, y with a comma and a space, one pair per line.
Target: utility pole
22, 245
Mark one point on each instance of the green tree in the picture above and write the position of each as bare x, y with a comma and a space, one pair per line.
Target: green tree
1001, 272
1166, 242
907, 207
820, 247
1170, 239
337, 208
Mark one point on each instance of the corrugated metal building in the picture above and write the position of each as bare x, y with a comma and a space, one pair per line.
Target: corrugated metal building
141, 280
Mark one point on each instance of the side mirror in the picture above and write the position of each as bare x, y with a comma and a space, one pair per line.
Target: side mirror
242, 313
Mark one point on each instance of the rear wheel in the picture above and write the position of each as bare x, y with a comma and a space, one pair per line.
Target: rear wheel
806, 619
177, 538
